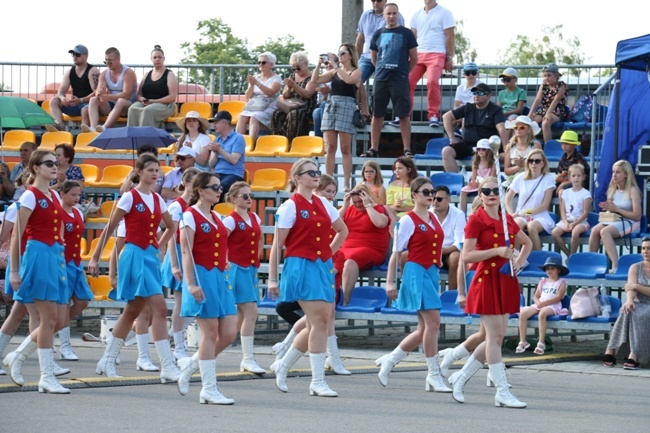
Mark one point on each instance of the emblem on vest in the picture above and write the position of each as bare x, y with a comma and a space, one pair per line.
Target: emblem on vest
139, 207
205, 227
241, 225
69, 227
304, 214
422, 227
43, 203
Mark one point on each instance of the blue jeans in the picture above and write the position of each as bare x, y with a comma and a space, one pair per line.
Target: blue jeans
367, 68
226, 181
317, 115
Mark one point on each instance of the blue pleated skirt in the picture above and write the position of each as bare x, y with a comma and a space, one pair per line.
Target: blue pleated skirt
138, 273
245, 283
219, 296
77, 283
306, 280
43, 274
8, 290
168, 279
419, 289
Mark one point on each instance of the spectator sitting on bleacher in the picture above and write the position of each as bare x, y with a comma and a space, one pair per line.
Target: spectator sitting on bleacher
575, 205
482, 119
535, 188
464, 90
82, 77
623, 198
227, 151
629, 336
484, 164
156, 99
132, 179
16, 189
67, 171
184, 159
114, 95
569, 141
520, 145
549, 104
453, 223
398, 194
195, 135
512, 99
5, 181
373, 179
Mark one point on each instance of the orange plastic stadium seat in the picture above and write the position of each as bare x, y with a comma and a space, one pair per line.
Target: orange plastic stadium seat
166, 169
16, 137
90, 172
113, 176
269, 179
234, 108
224, 209
203, 108
270, 145
46, 106
100, 286
83, 140
104, 213
249, 143
305, 147
51, 139
106, 252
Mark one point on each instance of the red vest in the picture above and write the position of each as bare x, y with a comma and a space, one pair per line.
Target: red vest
210, 248
73, 228
184, 207
425, 245
309, 238
244, 241
141, 224
44, 223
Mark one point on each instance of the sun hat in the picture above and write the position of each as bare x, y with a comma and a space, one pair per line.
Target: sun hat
552, 67
221, 115
186, 151
570, 137
481, 87
470, 66
556, 262
483, 143
192, 115
510, 124
509, 72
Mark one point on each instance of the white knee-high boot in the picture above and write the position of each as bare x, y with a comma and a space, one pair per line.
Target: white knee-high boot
210, 393
106, 365
460, 378
248, 362
292, 356
503, 396
188, 366
14, 360
180, 351
318, 386
144, 360
334, 361
387, 362
281, 348
451, 355
65, 349
48, 382
4, 341
435, 380
168, 370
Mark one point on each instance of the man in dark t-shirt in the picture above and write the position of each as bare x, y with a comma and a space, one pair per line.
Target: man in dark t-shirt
393, 51
482, 119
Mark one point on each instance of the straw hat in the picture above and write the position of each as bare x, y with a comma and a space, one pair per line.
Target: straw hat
192, 115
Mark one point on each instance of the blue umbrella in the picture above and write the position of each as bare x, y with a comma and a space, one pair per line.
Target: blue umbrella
132, 137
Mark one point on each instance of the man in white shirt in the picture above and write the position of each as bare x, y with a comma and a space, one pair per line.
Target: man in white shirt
453, 223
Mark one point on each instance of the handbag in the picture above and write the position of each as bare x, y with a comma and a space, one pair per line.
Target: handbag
357, 119
608, 217
290, 104
584, 303
257, 103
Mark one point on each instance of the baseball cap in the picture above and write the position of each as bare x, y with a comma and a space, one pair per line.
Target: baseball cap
509, 72
470, 66
79, 49
221, 115
481, 87
186, 151
551, 67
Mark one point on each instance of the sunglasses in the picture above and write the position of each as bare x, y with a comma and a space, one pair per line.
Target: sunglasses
426, 192
311, 173
326, 63
440, 199
247, 196
181, 158
343, 53
468, 73
109, 61
479, 93
376, 1
480, 149
76, 54
48, 163
295, 68
261, 62
521, 127
490, 191
506, 80
214, 187
534, 161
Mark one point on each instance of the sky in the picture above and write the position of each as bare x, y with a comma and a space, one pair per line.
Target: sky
47, 35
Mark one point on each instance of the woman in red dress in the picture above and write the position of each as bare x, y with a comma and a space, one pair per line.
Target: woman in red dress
493, 294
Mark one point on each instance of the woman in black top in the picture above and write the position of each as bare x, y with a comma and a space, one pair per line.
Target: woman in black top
156, 100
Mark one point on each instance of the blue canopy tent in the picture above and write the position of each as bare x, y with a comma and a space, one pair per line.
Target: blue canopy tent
628, 120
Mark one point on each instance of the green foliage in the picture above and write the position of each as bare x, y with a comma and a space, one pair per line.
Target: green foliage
281, 47
4, 87
463, 50
553, 47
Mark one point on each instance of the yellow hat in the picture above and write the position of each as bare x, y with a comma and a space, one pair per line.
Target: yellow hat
570, 137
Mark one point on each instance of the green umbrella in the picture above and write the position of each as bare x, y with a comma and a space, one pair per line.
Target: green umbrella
20, 113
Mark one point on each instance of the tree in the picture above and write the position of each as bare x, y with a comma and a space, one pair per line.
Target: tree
281, 47
553, 47
463, 50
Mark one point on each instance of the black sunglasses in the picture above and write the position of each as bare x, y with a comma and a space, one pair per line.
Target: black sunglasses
311, 173
439, 199
48, 163
468, 73
479, 93
490, 191
295, 68
109, 62
326, 63
342, 53
247, 196
506, 80
534, 161
426, 192
181, 158
76, 54
214, 187
262, 62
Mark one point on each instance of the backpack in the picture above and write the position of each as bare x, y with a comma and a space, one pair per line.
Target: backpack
581, 111
584, 303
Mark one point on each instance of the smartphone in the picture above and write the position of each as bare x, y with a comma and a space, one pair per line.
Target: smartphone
325, 57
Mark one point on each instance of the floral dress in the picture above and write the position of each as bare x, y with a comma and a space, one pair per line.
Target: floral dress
548, 94
296, 123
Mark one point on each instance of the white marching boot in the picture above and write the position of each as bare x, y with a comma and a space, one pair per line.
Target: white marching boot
106, 365
248, 362
282, 368
144, 362
168, 370
4, 342
503, 397
48, 382
460, 378
448, 357
57, 369
490, 383
280, 349
435, 380
65, 349
387, 362
188, 367
334, 361
318, 387
14, 360
180, 351
210, 392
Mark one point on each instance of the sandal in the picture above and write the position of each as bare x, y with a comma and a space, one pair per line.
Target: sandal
408, 153
522, 346
539, 350
631, 364
370, 153
609, 360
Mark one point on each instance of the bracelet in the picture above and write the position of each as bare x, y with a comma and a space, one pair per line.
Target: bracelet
368, 205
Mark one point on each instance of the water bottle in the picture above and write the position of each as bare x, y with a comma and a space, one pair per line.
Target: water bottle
463, 171
605, 306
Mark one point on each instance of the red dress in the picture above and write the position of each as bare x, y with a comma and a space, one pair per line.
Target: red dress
491, 292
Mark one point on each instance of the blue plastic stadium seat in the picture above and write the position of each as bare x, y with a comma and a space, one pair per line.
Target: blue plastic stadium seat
643, 227
366, 299
624, 264
536, 259
267, 301
566, 302
434, 149
553, 150
616, 307
391, 310
587, 265
592, 219
449, 306
453, 181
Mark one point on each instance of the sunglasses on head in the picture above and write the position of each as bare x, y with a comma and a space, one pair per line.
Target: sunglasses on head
506, 80
261, 62
426, 192
490, 191
535, 161
479, 93
49, 164
295, 68
214, 187
440, 199
247, 196
468, 73
311, 173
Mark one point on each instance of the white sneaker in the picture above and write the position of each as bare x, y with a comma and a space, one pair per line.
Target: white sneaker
100, 128
434, 122
86, 128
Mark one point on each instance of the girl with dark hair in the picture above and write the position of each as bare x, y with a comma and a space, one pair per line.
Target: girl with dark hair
398, 194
